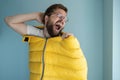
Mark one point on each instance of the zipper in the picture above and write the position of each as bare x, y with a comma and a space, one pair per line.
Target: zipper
43, 62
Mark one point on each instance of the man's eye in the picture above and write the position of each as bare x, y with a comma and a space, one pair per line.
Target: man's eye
60, 16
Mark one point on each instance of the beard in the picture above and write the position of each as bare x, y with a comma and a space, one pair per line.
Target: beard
51, 31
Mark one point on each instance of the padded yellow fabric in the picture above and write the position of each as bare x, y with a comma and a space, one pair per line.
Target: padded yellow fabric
63, 58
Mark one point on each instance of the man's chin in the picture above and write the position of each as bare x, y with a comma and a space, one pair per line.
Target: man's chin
56, 34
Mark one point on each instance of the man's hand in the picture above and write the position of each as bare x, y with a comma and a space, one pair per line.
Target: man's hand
66, 35
39, 17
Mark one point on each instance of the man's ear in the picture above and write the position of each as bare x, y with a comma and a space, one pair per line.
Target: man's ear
46, 19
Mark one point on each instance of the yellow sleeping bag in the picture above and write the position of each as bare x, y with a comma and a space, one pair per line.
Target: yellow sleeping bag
56, 59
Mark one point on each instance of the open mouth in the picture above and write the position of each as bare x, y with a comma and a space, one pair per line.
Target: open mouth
57, 27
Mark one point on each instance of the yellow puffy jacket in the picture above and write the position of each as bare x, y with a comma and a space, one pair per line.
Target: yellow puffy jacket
56, 59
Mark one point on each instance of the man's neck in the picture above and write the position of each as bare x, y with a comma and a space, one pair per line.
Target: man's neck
45, 32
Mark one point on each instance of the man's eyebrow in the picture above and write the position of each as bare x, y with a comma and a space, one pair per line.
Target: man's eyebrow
60, 13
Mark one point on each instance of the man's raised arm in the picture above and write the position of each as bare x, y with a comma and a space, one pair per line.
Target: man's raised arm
17, 22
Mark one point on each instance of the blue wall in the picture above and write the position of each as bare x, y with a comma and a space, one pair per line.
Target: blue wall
107, 39
85, 21
111, 40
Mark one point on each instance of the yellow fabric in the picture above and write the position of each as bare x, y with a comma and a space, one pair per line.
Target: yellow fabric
63, 58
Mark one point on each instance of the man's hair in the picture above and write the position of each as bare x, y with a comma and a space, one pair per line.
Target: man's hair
52, 8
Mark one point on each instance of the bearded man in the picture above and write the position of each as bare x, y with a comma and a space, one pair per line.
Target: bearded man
53, 54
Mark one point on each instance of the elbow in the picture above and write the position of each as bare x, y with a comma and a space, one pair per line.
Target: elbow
7, 20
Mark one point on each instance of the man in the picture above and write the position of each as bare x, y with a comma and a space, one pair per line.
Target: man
54, 55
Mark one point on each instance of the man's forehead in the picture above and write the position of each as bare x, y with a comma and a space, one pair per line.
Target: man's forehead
61, 11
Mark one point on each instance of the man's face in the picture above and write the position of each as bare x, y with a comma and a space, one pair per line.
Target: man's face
56, 22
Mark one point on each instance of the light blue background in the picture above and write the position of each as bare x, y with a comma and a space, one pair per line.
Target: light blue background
93, 22
116, 40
